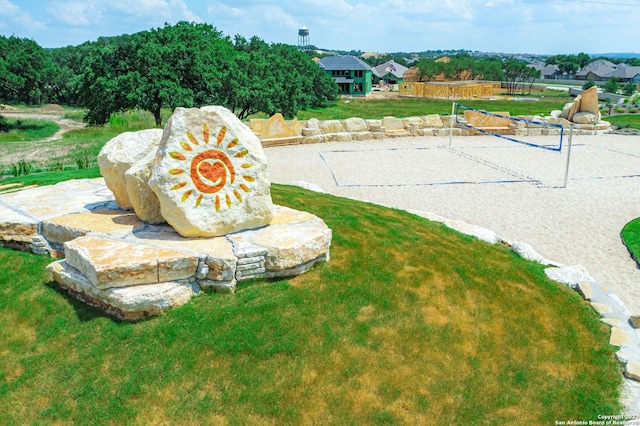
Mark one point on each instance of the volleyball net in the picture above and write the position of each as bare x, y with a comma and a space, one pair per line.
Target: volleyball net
518, 147
495, 124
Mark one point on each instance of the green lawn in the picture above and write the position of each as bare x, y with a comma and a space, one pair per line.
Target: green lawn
409, 323
624, 121
631, 238
406, 107
26, 129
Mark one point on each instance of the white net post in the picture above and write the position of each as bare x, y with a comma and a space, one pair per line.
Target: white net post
566, 170
453, 112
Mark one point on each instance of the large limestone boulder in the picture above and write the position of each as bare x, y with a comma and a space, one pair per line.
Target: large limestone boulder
575, 107
119, 154
276, 127
355, 125
331, 126
210, 174
142, 198
585, 118
590, 102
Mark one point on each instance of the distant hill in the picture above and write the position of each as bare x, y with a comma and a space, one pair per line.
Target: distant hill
623, 55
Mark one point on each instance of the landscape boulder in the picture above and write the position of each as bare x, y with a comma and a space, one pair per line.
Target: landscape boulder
119, 154
585, 118
590, 102
142, 198
210, 174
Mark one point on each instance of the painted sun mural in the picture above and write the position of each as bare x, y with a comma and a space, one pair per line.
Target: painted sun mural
212, 169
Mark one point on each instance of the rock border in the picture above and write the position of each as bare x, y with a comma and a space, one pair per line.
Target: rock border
276, 131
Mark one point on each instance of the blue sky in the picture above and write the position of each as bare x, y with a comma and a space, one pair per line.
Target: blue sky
509, 26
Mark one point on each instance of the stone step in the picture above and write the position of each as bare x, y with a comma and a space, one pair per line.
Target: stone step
127, 303
110, 263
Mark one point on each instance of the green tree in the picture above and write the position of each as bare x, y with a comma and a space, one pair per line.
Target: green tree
612, 85
629, 88
461, 67
178, 65
68, 72
274, 78
429, 69
193, 65
518, 76
583, 59
26, 71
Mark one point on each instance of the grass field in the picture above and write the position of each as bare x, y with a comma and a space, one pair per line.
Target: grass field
24, 129
409, 323
631, 238
624, 121
406, 107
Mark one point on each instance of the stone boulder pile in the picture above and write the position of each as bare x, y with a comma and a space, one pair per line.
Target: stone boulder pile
584, 109
205, 175
202, 218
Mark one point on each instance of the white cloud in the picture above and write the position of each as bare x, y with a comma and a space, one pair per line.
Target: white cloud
172, 10
544, 26
75, 13
18, 20
8, 9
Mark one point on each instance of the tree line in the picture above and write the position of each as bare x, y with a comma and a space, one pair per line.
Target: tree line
517, 75
186, 64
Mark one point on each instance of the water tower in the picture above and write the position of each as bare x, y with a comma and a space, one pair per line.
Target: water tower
303, 38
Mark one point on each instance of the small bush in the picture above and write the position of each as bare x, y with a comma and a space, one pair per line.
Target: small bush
620, 110
632, 110
83, 160
21, 168
55, 166
24, 168
118, 120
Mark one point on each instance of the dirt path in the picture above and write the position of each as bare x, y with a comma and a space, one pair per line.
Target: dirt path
41, 150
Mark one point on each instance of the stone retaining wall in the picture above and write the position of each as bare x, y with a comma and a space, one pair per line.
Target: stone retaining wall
276, 131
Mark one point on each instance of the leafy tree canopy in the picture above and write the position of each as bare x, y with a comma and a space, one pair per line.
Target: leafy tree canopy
612, 85
519, 76
25, 70
191, 65
460, 67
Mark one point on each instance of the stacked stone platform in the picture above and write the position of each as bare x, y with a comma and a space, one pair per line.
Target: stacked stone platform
132, 269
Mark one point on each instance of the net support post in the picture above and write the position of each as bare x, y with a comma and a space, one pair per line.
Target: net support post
566, 170
453, 112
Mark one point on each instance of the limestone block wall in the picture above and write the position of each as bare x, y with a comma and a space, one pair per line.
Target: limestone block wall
276, 131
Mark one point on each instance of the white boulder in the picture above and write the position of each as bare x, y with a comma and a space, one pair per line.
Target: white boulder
210, 174
142, 198
119, 154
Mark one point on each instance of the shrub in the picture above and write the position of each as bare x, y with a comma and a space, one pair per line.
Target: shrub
590, 83
628, 89
83, 160
21, 168
24, 168
55, 166
612, 85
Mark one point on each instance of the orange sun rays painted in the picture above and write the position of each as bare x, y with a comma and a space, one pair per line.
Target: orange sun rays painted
211, 170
